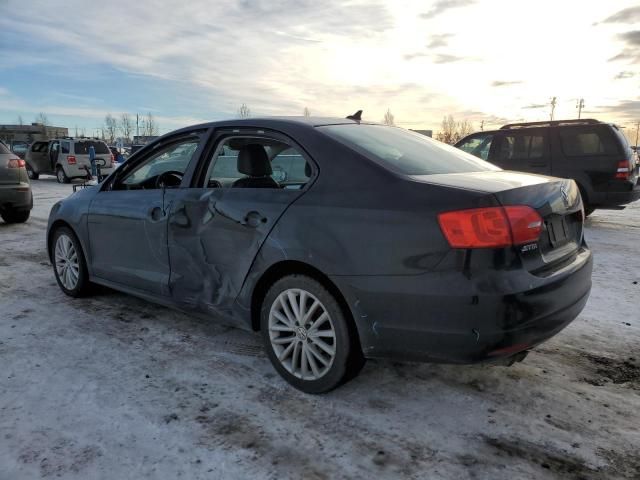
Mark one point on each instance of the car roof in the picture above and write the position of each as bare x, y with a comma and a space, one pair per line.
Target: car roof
276, 122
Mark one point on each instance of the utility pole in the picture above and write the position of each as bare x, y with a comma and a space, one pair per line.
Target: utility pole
554, 101
482, 126
637, 132
580, 106
137, 125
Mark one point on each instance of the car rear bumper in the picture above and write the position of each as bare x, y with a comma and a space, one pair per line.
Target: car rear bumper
621, 193
16, 197
78, 170
443, 318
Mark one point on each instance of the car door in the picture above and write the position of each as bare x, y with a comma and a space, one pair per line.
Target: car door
128, 218
38, 157
525, 150
217, 227
54, 150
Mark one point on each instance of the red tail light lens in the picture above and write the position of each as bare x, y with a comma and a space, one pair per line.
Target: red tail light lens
16, 163
71, 159
112, 159
492, 227
526, 224
624, 170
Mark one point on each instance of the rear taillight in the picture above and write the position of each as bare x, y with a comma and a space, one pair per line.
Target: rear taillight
624, 170
71, 159
16, 163
112, 159
491, 227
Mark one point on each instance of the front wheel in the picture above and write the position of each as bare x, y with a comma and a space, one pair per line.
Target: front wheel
69, 264
307, 335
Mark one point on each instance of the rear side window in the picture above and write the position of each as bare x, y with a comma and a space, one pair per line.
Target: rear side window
40, 147
405, 152
3, 148
586, 142
82, 147
64, 146
521, 147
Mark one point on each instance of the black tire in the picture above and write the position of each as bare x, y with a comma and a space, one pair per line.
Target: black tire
588, 210
347, 360
31, 173
16, 216
61, 176
83, 286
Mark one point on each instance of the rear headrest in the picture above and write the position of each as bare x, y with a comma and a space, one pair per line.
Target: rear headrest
253, 161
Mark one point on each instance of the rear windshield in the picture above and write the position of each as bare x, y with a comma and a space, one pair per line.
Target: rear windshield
82, 148
583, 141
404, 151
3, 148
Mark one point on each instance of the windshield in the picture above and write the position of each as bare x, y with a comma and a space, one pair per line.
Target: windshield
404, 151
82, 147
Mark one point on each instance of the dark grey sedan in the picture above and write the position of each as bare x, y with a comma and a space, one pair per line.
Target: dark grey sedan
16, 199
339, 240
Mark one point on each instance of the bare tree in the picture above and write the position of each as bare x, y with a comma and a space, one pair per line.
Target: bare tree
42, 118
20, 121
243, 111
126, 126
110, 128
149, 126
306, 112
452, 131
388, 118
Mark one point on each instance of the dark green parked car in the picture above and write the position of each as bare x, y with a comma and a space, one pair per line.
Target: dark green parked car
16, 199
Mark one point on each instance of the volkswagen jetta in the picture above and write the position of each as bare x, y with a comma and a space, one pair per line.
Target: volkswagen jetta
338, 240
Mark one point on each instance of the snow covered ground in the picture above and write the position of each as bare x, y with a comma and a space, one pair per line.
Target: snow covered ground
113, 387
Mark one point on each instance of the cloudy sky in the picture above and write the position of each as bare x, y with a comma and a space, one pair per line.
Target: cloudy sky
186, 62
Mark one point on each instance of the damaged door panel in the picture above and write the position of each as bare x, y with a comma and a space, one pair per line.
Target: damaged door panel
214, 235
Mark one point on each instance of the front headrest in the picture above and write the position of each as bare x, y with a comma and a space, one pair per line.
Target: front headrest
253, 161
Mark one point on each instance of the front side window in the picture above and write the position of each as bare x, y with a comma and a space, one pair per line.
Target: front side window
585, 142
404, 151
164, 167
257, 162
521, 147
477, 145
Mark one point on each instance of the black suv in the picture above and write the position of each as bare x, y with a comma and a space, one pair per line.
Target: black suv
595, 154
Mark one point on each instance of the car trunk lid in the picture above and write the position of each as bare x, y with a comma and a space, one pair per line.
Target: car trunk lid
556, 200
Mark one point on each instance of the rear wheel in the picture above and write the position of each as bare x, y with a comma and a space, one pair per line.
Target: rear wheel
16, 216
30, 173
61, 176
307, 335
69, 264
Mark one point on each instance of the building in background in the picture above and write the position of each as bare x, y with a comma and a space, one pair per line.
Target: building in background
18, 137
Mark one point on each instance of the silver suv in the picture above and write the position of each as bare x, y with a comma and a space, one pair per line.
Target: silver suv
67, 158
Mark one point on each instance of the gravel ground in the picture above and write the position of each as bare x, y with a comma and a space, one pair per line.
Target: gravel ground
113, 387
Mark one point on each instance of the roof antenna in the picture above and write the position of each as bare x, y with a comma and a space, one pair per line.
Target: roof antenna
356, 116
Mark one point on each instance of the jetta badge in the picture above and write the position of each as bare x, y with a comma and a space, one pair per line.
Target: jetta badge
565, 194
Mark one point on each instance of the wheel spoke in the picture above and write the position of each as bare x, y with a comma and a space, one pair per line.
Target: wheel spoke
319, 321
311, 311
295, 356
316, 354
282, 319
324, 346
287, 312
286, 351
312, 361
283, 340
322, 333
280, 328
304, 361
293, 303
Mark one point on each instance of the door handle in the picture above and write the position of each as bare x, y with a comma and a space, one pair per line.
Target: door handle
156, 214
253, 219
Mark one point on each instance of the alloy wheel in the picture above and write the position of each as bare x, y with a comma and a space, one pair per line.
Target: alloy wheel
67, 264
302, 334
